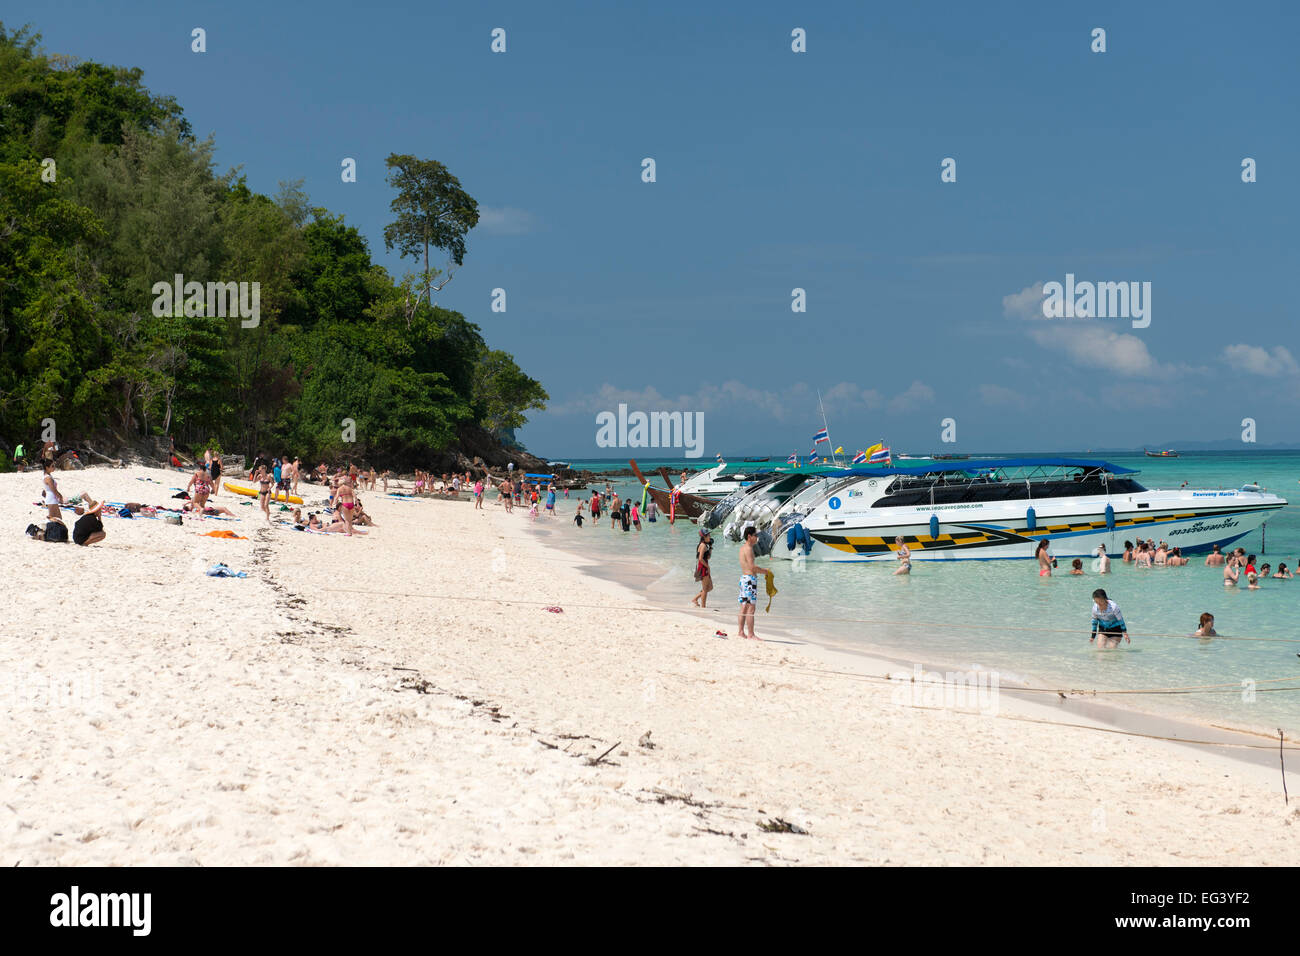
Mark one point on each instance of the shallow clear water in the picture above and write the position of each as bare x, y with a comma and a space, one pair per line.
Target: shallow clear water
1001, 615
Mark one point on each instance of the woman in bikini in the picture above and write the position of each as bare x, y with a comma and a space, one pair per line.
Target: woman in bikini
263, 479
904, 556
1044, 560
345, 503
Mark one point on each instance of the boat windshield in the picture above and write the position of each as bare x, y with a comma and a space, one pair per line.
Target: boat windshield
1004, 484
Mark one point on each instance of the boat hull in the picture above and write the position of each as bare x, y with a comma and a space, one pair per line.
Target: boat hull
1074, 528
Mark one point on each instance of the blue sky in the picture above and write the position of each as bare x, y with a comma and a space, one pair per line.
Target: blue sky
818, 170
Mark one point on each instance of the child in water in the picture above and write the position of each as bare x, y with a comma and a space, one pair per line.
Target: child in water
1206, 628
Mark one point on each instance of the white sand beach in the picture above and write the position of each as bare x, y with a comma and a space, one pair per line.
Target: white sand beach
404, 698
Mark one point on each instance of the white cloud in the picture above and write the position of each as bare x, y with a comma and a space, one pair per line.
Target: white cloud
917, 394
1260, 361
1025, 304
846, 395
505, 220
1095, 346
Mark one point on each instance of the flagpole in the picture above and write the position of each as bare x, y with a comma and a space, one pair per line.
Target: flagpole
827, 426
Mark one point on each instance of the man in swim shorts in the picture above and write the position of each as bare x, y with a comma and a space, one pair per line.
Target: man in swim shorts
749, 572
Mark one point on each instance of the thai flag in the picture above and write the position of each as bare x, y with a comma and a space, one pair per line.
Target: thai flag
880, 455
859, 458
821, 436
793, 459
812, 455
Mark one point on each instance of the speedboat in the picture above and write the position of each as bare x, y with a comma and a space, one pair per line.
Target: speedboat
718, 482
723, 480
1002, 508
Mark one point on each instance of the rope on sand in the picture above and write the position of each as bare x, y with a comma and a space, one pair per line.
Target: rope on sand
1122, 733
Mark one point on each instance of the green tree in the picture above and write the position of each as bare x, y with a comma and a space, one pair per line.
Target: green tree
48, 287
432, 211
503, 393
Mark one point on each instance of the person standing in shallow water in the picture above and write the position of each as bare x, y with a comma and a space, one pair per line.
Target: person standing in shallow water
1044, 560
1107, 620
703, 552
904, 555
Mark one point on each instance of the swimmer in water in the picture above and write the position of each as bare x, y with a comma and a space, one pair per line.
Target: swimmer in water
1044, 560
1076, 566
1206, 628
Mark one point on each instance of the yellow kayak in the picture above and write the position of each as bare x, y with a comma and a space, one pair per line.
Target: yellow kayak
253, 493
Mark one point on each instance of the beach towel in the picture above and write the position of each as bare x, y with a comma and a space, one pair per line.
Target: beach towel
221, 571
224, 534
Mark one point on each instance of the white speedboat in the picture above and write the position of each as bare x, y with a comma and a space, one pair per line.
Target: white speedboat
1002, 508
717, 482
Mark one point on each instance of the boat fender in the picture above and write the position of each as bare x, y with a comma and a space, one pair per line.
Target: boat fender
798, 536
1031, 519
934, 526
1110, 518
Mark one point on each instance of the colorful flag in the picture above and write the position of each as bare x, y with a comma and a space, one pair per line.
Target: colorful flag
812, 455
875, 448
793, 459
840, 450
859, 458
880, 454
821, 436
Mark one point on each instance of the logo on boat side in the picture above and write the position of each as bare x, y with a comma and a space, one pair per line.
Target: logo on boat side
1198, 526
834, 503
654, 430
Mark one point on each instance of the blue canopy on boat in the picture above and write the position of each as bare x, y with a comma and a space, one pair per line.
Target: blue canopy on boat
538, 476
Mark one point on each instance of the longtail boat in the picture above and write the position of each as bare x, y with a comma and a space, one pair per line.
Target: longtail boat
687, 506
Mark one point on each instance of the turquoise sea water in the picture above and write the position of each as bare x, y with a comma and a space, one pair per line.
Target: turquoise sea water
1001, 615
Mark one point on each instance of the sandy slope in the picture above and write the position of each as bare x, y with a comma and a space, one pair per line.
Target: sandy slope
403, 698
